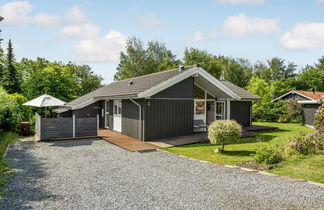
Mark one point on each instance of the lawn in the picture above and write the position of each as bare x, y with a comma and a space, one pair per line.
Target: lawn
307, 167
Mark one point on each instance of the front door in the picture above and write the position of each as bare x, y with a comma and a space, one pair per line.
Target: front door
117, 115
220, 110
210, 117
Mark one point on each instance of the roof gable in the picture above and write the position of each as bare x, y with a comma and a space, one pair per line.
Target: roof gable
308, 95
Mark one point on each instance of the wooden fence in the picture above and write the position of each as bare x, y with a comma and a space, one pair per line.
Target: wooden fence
64, 128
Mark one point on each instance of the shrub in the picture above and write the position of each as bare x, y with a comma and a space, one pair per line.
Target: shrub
224, 131
308, 144
268, 155
11, 111
319, 119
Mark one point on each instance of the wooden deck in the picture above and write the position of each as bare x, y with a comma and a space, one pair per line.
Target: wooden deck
125, 142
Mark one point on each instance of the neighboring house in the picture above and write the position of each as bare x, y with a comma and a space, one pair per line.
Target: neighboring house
164, 104
310, 101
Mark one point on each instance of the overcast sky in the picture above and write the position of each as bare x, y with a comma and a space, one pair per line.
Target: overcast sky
94, 32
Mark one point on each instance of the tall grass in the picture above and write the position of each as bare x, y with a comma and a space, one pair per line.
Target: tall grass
5, 140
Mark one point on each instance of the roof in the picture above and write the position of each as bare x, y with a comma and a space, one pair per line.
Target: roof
310, 94
143, 86
240, 91
306, 94
122, 88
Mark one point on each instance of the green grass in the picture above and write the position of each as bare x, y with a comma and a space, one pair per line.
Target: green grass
303, 167
5, 140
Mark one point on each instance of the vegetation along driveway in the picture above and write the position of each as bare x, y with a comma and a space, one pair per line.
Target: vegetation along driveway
94, 174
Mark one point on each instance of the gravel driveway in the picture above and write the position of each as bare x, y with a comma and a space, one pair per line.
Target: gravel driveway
93, 174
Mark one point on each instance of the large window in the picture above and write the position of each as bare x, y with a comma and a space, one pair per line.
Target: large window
200, 107
199, 93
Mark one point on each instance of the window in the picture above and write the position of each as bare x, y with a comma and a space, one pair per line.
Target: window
199, 93
117, 107
200, 107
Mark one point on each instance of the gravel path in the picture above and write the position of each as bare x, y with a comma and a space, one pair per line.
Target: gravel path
93, 174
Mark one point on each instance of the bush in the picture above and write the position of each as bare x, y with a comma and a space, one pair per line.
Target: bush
308, 144
319, 119
268, 155
11, 111
224, 131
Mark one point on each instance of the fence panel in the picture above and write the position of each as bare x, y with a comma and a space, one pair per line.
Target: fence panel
53, 128
85, 127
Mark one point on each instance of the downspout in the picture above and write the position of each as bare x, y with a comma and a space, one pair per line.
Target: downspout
140, 118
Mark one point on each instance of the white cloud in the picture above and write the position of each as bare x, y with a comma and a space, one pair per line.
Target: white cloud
240, 25
19, 13
234, 2
16, 13
46, 20
75, 16
304, 36
84, 31
149, 21
101, 49
320, 1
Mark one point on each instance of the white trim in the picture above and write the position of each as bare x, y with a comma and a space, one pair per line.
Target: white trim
228, 109
274, 100
184, 75
309, 102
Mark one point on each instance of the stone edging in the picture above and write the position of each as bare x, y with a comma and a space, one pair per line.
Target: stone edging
246, 169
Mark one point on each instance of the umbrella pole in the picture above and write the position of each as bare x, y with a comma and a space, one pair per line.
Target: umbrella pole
45, 111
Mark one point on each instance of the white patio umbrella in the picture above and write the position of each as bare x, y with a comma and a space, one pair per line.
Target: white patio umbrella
45, 101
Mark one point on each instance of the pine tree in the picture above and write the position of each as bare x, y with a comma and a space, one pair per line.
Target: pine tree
1, 58
11, 80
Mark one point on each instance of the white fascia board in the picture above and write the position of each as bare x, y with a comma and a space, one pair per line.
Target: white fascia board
309, 102
83, 104
195, 70
217, 83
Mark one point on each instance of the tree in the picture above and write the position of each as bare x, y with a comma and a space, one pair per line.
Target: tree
138, 61
11, 80
275, 69
207, 61
260, 88
1, 59
64, 81
87, 80
238, 71
55, 79
310, 77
